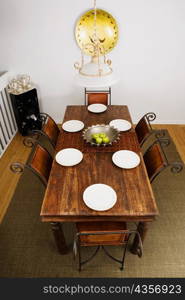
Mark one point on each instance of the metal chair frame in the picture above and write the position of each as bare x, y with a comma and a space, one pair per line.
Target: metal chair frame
34, 135
176, 167
18, 167
127, 233
159, 134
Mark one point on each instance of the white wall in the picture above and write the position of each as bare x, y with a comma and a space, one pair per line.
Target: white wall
37, 37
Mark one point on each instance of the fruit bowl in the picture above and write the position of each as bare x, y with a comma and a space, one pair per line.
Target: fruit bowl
101, 135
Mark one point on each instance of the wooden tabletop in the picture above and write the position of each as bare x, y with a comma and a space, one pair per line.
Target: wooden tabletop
63, 199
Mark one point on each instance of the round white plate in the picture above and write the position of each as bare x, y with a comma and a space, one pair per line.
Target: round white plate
126, 159
69, 157
97, 108
73, 126
120, 124
99, 197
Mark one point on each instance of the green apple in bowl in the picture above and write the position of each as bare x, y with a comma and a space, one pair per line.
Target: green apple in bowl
95, 136
102, 135
106, 140
99, 140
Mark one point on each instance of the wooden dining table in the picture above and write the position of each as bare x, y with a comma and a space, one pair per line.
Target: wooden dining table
63, 200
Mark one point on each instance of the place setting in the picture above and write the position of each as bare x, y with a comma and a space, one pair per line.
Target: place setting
73, 126
99, 197
121, 124
126, 159
97, 108
69, 157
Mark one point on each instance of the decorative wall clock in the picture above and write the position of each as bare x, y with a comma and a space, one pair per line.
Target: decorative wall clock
106, 31
96, 34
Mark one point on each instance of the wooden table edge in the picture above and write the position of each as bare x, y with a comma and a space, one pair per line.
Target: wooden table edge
74, 219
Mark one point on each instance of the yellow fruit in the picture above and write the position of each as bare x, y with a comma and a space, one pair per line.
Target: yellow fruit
95, 135
102, 135
106, 140
98, 140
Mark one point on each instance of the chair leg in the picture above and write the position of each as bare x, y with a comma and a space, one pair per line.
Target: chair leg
123, 259
79, 258
109, 95
115, 259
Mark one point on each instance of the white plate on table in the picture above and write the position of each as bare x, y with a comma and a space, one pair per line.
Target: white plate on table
126, 159
97, 108
69, 157
99, 197
73, 126
121, 125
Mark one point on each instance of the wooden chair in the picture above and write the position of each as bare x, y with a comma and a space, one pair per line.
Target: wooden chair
94, 97
102, 234
49, 130
156, 161
40, 164
143, 129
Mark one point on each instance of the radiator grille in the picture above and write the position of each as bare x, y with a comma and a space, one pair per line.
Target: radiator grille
8, 127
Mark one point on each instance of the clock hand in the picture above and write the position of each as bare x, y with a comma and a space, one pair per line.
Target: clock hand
102, 41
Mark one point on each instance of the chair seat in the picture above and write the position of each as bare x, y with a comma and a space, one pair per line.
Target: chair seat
101, 233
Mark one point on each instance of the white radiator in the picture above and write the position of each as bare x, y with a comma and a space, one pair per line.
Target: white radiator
8, 127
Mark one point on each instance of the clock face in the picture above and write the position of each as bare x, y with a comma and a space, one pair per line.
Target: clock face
106, 31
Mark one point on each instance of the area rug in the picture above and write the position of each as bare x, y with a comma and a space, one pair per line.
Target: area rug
27, 247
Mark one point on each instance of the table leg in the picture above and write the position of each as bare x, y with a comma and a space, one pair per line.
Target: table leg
142, 229
59, 237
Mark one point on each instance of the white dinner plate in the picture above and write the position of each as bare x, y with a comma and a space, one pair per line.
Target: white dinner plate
126, 159
69, 157
73, 126
99, 197
120, 124
97, 108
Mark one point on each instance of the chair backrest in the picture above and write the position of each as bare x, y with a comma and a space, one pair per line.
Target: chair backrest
94, 97
143, 128
40, 164
97, 98
155, 160
51, 129
102, 233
